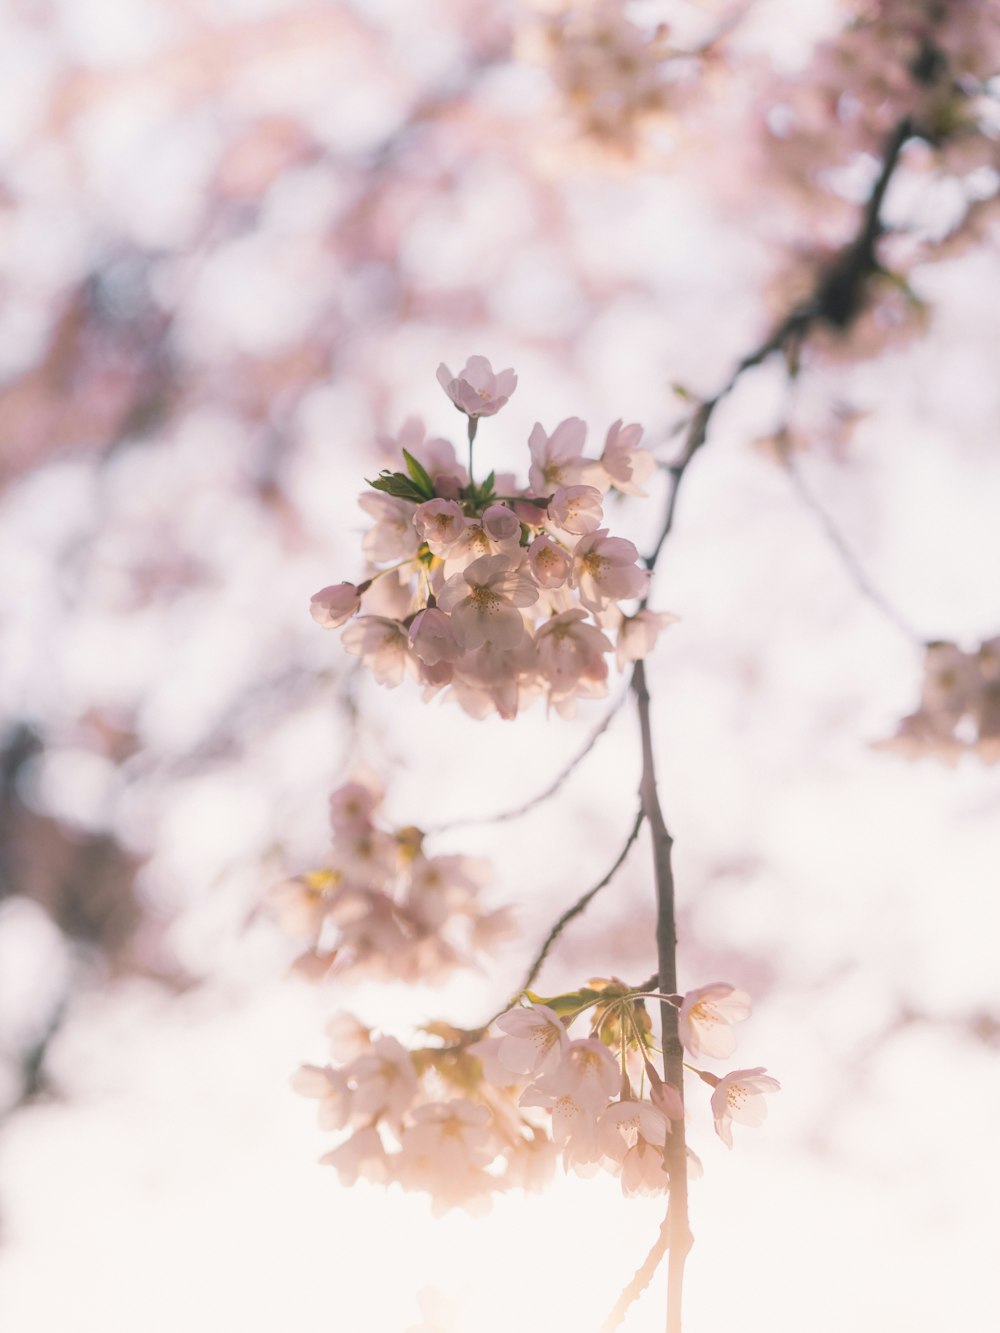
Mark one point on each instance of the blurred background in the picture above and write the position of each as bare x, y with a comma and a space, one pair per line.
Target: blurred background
238, 236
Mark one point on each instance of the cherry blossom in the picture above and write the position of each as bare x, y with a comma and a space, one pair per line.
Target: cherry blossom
440, 523
705, 1018
557, 459
331, 607
623, 465
484, 601
476, 390
576, 509
605, 569
536, 1039
740, 1096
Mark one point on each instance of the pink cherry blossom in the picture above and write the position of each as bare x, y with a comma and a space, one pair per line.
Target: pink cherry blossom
587, 1072
623, 464
476, 390
383, 645
557, 459
440, 523
705, 1018
637, 635
502, 526
536, 1039
330, 1088
484, 600
605, 569
548, 561
570, 649
353, 805
576, 509
432, 638
384, 1080
334, 605
624, 1122
362, 1155
740, 1096
393, 536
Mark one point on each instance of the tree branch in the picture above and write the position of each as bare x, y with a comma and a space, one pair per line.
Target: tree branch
581, 904
553, 787
678, 1229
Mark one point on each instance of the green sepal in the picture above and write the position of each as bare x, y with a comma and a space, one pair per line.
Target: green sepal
398, 485
419, 475
570, 1004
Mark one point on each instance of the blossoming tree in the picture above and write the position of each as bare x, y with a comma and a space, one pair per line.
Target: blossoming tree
747, 225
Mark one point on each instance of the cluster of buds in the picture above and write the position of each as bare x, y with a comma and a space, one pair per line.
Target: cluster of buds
959, 706
497, 592
489, 1110
383, 906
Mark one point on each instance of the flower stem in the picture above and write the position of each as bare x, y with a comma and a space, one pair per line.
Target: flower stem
473, 427
678, 1230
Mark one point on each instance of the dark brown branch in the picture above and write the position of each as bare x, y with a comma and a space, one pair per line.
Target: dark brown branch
836, 300
679, 1239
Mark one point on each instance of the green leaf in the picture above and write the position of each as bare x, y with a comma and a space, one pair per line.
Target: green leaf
566, 1006
419, 475
397, 484
488, 489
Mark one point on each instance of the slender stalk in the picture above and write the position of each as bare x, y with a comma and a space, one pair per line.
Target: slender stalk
473, 427
678, 1229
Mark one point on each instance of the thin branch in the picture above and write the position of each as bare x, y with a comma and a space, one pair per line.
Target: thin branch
849, 560
581, 904
679, 1238
554, 786
835, 300
571, 913
639, 1283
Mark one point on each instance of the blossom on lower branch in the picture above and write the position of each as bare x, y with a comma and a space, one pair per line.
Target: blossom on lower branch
472, 1113
382, 905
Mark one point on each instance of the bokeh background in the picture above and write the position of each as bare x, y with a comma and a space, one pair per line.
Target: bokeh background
238, 236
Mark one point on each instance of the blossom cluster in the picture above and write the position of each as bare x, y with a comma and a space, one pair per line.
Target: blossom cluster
383, 906
496, 1108
615, 76
497, 592
959, 706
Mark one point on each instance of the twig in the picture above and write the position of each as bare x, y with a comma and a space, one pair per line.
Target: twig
639, 1283
554, 786
679, 1238
581, 904
848, 559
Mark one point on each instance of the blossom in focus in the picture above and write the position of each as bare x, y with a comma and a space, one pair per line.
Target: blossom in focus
432, 638
476, 390
576, 509
484, 601
605, 569
439, 523
705, 1018
740, 1096
557, 459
